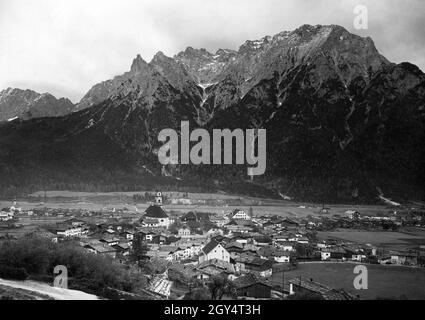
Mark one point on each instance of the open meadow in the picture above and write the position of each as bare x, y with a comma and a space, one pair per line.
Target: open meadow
406, 238
383, 281
216, 203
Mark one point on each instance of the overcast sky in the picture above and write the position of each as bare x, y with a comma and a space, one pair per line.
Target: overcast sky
66, 46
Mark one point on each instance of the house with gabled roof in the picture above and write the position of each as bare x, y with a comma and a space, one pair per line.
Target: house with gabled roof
240, 226
122, 248
275, 254
250, 285
212, 267
221, 239
301, 285
129, 235
262, 266
100, 248
68, 230
219, 221
195, 216
238, 214
262, 240
110, 240
214, 250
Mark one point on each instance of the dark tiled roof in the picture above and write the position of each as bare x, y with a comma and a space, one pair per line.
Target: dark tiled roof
326, 292
272, 252
219, 238
217, 264
196, 216
155, 212
101, 248
263, 264
289, 221
234, 244
210, 246
263, 239
248, 280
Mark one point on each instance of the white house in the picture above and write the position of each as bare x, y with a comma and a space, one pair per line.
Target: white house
213, 250
325, 255
6, 216
240, 215
184, 231
70, 230
282, 256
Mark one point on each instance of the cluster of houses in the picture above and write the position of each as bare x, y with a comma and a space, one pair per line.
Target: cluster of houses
251, 250
8, 214
352, 219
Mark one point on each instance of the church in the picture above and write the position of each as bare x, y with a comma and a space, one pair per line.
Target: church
155, 216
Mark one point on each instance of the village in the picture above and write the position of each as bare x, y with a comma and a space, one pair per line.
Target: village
253, 251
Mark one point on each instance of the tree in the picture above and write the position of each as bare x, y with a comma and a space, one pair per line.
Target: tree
174, 227
219, 285
140, 248
200, 293
251, 212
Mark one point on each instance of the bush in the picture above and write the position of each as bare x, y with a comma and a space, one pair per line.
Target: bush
37, 258
13, 273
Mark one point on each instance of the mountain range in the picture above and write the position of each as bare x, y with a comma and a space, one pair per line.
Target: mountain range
342, 122
27, 104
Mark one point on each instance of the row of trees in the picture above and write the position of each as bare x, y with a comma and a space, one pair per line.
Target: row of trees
36, 258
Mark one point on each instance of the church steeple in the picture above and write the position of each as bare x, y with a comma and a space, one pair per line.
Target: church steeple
158, 198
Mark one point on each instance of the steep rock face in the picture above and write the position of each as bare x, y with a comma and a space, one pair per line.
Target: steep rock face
205, 66
27, 104
143, 78
226, 76
331, 49
343, 137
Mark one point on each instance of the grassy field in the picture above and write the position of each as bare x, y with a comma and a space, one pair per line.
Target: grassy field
9, 293
383, 281
396, 240
30, 224
107, 201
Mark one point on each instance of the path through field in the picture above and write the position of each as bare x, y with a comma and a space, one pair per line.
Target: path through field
45, 289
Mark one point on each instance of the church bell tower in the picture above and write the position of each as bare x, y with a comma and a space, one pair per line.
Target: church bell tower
158, 198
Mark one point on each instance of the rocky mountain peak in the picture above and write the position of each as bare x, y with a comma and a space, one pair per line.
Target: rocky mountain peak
159, 57
330, 49
27, 104
138, 65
